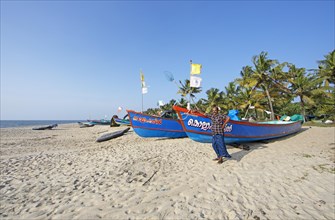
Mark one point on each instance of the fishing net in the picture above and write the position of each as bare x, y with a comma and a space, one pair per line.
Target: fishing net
169, 76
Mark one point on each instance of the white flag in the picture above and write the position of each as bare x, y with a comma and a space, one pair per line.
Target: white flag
160, 103
195, 81
144, 90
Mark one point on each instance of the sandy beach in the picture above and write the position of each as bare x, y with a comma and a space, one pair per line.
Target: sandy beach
65, 174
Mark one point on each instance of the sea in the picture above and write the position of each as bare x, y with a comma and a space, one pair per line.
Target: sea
25, 123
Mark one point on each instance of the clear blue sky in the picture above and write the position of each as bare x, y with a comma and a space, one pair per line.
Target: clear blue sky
81, 59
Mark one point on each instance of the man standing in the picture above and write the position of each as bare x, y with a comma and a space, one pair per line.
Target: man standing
219, 121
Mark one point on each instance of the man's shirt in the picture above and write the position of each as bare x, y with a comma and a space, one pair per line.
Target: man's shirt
217, 123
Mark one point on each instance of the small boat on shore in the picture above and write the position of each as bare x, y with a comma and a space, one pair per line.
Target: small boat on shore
198, 127
121, 121
85, 124
99, 122
154, 126
47, 127
112, 135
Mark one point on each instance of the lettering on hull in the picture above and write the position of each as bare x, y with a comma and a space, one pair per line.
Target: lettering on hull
148, 120
205, 126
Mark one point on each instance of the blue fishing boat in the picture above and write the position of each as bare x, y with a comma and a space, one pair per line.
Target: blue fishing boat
198, 127
154, 126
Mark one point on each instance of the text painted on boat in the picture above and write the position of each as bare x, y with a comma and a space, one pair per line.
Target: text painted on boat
148, 120
203, 125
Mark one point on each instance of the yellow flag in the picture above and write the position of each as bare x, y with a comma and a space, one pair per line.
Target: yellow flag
196, 68
142, 76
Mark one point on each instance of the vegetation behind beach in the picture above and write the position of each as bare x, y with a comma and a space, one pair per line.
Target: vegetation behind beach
268, 89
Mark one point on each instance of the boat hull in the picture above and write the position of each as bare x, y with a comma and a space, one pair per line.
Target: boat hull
47, 127
151, 126
112, 135
198, 128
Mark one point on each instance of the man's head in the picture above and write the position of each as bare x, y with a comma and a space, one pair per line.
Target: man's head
215, 109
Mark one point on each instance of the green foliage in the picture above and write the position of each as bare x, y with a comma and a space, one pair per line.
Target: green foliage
327, 69
267, 87
152, 111
289, 109
186, 90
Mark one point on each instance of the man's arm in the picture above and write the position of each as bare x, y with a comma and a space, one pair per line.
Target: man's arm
227, 118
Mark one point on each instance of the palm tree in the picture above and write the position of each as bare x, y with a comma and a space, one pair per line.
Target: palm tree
261, 76
151, 111
231, 96
168, 106
327, 69
200, 105
248, 96
303, 85
246, 77
326, 98
182, 102
186, 90
214, 97
248, 99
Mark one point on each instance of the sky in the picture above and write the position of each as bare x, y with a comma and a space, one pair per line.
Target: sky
78, 60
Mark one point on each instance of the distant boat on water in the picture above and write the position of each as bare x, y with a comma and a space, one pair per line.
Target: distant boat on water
198, 127
154, 126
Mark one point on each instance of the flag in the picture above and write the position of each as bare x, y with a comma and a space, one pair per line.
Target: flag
144, 87
142, 79
144, 90
196, 68
195, 81
142, 76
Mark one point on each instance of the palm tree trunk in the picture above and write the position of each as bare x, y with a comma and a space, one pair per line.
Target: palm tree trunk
303, 111
270, 104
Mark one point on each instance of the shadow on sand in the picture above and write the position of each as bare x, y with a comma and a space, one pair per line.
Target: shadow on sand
247, 148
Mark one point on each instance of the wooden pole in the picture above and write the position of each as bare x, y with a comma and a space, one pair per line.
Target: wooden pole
189, 95
142, 95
